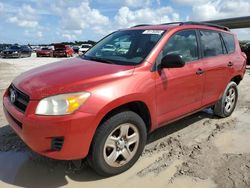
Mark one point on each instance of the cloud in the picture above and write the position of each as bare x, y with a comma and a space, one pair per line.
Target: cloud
74, 20
25, 17
243, 34
69, 36
39, 34
190, 2
126, 17
81, 17
1, 7
137, 3
216, 9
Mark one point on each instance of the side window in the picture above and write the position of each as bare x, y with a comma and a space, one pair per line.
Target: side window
183, 43
229, 42
211, 43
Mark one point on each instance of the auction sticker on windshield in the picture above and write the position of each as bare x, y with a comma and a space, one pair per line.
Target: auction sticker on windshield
153, 32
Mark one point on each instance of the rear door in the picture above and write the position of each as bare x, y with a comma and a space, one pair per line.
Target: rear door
216, 62
179, 90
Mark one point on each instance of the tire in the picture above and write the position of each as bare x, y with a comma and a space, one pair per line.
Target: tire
103, 147
226, 105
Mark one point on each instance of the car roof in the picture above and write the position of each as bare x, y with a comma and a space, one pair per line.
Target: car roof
181, 25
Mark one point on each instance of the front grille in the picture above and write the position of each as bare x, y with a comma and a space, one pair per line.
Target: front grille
21, 100
57, 143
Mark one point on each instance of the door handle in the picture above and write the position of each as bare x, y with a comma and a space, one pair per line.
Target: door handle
199, 72
230, 64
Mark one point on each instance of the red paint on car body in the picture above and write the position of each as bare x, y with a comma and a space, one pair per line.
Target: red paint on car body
169, 94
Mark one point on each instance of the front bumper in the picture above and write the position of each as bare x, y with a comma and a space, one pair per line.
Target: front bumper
43, 54
10, 55
38, 131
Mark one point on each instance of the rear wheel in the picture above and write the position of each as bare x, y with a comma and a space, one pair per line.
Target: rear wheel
118, 143
226, 105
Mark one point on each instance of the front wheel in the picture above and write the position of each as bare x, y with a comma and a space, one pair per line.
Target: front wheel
226, 105
118, 143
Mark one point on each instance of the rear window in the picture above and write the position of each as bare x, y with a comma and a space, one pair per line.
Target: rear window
229, 42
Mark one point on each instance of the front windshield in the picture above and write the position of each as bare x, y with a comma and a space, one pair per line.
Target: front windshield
128, 47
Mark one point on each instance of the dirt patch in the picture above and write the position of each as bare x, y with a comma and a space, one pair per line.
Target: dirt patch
9, 141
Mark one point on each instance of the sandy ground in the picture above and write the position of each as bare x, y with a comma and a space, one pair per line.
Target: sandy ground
198, 151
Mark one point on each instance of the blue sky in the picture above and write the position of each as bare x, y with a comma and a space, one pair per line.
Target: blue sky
46, 21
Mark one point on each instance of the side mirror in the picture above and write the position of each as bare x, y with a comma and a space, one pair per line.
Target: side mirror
172, 61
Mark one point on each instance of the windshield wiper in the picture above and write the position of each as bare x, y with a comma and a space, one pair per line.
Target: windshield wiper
101, 60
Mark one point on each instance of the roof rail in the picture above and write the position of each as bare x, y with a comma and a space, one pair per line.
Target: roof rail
191, 23
170, 23
206, 24
141, 25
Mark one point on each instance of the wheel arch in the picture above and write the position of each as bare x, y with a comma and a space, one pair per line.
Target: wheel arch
137, 106
237, 79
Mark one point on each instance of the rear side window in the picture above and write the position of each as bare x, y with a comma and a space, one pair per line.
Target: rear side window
211, 43
229, 42
183, 43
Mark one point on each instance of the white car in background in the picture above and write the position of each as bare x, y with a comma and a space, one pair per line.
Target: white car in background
84, 48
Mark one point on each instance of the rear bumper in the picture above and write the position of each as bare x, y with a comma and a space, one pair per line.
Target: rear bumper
38, 131
60, 54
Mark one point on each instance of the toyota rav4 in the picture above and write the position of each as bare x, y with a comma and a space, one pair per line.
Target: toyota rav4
102, 106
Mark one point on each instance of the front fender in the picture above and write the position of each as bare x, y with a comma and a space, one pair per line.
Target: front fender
129, 99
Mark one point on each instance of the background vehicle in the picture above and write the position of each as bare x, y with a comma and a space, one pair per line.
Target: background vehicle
35, 48
84, 48
103, 105
76, 49
246, 49
62, 50
17, 51
1, 49
45, 52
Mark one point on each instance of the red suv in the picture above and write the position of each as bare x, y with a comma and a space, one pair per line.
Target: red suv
62, 50
103, 105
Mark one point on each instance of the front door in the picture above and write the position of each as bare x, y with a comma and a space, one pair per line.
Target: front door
179, 90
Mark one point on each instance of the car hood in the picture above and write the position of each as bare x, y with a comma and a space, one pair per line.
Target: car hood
67, 76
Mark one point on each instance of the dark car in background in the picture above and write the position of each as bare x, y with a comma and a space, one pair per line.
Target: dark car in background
3, 47
45, 52
62, 50
76, 49
17, 51
246, 49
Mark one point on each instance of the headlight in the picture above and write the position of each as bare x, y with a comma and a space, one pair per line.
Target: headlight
61, 104
15, 52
